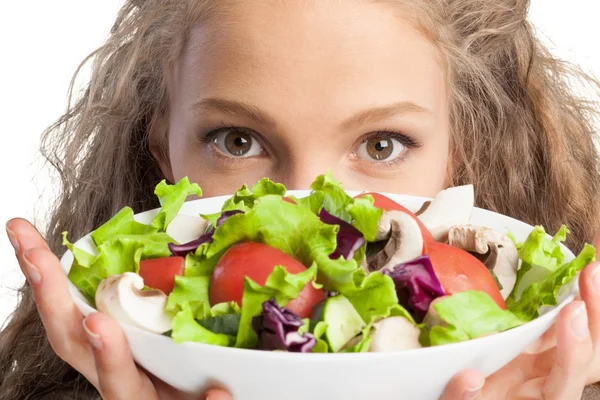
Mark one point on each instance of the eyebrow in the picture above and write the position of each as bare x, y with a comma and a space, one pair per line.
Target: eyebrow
247, 111
377, 114
235, 109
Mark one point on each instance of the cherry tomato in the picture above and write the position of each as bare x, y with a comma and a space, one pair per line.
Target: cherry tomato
159, 273
257, 261
388, 204
459, 271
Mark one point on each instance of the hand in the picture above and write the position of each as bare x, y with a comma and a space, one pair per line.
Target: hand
94, 346
556, 367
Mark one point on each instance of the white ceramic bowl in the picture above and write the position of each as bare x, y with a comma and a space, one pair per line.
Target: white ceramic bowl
260, 375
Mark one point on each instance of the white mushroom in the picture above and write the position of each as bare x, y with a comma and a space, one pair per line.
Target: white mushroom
122, 297
185, 228
394, 334
452, 206
501, 255
403, 241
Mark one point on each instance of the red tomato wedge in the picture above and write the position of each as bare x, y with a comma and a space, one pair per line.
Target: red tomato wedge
459, 271
257, 261
388, 204
287, 199
159, 273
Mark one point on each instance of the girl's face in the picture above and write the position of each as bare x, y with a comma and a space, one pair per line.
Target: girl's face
290, 91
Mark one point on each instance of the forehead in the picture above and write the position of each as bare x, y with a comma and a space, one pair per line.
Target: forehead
326, 54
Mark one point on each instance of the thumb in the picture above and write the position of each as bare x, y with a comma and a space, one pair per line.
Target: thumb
217, 394
466, 385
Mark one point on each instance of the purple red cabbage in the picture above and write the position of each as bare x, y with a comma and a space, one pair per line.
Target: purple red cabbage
277, 329
182, 250
227, 214
349, 239
416, 285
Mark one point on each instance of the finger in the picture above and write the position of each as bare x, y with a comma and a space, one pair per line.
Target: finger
596, 242
589, 284
573, 353
466, 385
168, 392
531, 390
59, 315
118, 376
545, 342
23, 235
217, 394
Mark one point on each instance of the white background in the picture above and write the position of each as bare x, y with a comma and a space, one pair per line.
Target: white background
42, 42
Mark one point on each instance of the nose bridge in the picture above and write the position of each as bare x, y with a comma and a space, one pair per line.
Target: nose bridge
300, 175
302, 167
309, 150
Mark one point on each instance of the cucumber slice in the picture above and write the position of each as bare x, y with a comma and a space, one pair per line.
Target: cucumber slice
343, 322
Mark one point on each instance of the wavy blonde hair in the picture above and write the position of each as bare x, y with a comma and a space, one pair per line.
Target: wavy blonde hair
519, 133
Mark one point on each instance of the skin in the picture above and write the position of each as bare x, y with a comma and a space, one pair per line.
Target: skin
307, 75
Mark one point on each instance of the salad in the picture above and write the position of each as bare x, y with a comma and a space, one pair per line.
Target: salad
322, 273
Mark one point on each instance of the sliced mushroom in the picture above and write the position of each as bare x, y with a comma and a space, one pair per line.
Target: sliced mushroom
496, 250
185, 228
122, 297
403, 241
452, 206
394, 334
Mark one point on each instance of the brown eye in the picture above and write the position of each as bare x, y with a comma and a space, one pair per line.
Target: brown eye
380, 149
237, 143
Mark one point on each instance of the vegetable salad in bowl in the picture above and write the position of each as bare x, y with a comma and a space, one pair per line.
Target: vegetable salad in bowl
323, 273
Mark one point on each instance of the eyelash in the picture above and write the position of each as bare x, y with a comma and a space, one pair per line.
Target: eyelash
406, 140
208, 136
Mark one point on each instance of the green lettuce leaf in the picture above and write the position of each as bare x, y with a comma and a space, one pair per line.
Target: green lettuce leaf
374, 297
314, 201
122, 223
224, 309
329, 194
191, 293
187, 329
244, 198
335, 199
198, 265
540, 256
280, 285
319, 331
171, 199
469, 315
365, 216
544, 292
223, 318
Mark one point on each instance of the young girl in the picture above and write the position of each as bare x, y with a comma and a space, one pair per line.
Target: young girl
407, 96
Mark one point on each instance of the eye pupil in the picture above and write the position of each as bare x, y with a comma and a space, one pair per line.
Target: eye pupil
238, 143
380, 149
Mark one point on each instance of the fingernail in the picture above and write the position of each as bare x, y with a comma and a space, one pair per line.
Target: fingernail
13, 239
596, 278
32, 273
474, 393
579, 322
94, 339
